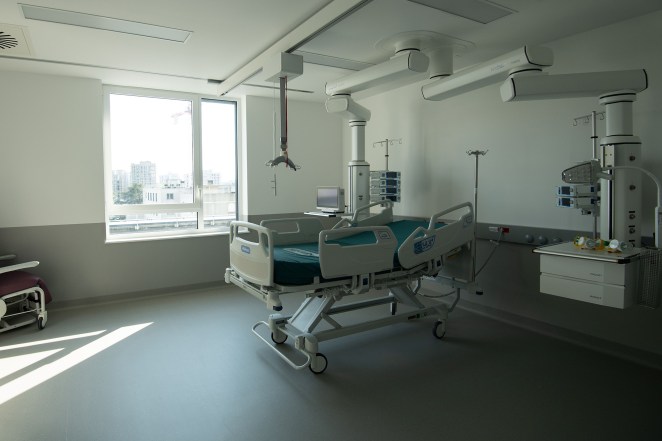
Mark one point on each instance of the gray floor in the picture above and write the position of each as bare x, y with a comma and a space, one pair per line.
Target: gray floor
198, 373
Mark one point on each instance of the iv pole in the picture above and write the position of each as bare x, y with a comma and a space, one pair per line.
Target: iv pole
475, 153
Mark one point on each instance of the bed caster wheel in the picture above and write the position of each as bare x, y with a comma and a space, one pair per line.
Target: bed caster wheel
41, 323
439, 329
320, 363
278, 339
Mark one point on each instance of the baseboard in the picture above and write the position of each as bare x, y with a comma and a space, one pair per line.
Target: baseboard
130, 296
645, 358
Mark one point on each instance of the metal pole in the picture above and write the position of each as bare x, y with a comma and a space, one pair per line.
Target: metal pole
594, 140
386, 155
594, 135
476, 153
283, 114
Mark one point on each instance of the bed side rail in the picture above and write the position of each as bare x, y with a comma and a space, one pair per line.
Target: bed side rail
251, 260
294, 230
427, 244
363, 218
338, 260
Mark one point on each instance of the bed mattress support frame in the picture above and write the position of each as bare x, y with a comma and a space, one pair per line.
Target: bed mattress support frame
313, 321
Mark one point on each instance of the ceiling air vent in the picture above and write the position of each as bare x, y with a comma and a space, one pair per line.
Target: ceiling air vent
14, 40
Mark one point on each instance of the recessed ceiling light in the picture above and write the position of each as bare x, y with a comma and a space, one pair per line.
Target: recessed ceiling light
105, 23
476, 10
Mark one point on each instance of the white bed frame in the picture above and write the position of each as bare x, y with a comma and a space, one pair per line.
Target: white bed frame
356, 269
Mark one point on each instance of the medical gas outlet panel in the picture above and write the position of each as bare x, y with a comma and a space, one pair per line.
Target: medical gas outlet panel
384, 186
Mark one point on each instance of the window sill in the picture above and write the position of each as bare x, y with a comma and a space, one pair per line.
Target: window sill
185, 235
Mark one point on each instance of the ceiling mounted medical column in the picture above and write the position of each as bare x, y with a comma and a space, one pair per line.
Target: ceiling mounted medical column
359, 169
280, 68
407, 63
621, 217
620, 198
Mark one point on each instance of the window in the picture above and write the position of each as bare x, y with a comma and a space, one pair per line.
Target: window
170, 162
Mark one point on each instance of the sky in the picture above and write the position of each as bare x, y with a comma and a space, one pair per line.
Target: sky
160, 130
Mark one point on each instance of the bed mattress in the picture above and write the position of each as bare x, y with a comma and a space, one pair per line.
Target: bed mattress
298, 264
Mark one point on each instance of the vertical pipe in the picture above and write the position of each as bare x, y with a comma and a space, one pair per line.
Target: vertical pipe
386, 154
473, 245
594, 141
594, 135
283, 114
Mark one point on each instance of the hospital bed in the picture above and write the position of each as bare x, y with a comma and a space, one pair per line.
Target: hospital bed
369, 253
23, 296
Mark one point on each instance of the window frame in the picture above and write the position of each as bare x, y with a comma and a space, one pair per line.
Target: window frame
197, 206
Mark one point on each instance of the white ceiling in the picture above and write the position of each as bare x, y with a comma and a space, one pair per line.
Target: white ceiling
229, 34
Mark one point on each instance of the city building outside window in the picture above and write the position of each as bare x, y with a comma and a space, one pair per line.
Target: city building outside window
170, 163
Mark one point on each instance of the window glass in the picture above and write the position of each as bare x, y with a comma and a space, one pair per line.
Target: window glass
152, 149
219, 165
155, 182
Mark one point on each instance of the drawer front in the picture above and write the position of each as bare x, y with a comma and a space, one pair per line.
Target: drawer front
616, 296
590, 270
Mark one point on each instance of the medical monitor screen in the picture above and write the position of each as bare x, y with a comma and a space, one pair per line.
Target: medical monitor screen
331, 199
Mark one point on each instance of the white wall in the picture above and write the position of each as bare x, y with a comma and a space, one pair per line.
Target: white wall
51, 167
314, 142
52, 207
529, 143
52, 152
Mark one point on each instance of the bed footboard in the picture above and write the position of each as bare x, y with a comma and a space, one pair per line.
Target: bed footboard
252, 260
